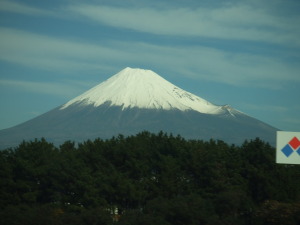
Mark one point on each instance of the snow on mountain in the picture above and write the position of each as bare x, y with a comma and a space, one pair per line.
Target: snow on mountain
144, 89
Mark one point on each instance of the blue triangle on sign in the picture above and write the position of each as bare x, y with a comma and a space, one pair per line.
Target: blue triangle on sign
287, 150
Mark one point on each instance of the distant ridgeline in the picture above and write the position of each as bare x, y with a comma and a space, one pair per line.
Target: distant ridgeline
147, 179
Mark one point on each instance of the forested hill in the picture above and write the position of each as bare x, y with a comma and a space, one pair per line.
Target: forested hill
147, 179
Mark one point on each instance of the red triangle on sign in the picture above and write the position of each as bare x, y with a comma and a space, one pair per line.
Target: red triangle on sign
294, 143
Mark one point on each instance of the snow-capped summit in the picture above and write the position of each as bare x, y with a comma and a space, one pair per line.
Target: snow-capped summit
143, 89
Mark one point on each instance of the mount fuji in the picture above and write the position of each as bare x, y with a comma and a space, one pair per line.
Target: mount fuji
136, 100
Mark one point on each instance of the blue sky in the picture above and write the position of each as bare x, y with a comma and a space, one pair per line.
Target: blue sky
242, 53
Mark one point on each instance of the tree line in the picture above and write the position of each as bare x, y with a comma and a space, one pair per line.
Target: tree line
147, 179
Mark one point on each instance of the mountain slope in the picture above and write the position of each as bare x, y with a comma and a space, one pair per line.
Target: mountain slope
135, 100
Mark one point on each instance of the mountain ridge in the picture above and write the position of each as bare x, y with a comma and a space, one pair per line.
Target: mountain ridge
105, 111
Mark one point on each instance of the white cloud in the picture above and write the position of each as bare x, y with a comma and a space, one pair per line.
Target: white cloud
266, 107
48, 88
234, 22
216, 65
15, 7
50, 53
197, 62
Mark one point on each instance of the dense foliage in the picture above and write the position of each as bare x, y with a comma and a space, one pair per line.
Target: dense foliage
147, 179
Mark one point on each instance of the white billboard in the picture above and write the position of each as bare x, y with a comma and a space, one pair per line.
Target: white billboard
288, 147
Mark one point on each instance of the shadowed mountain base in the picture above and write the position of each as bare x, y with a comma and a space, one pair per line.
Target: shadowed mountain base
79, 123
